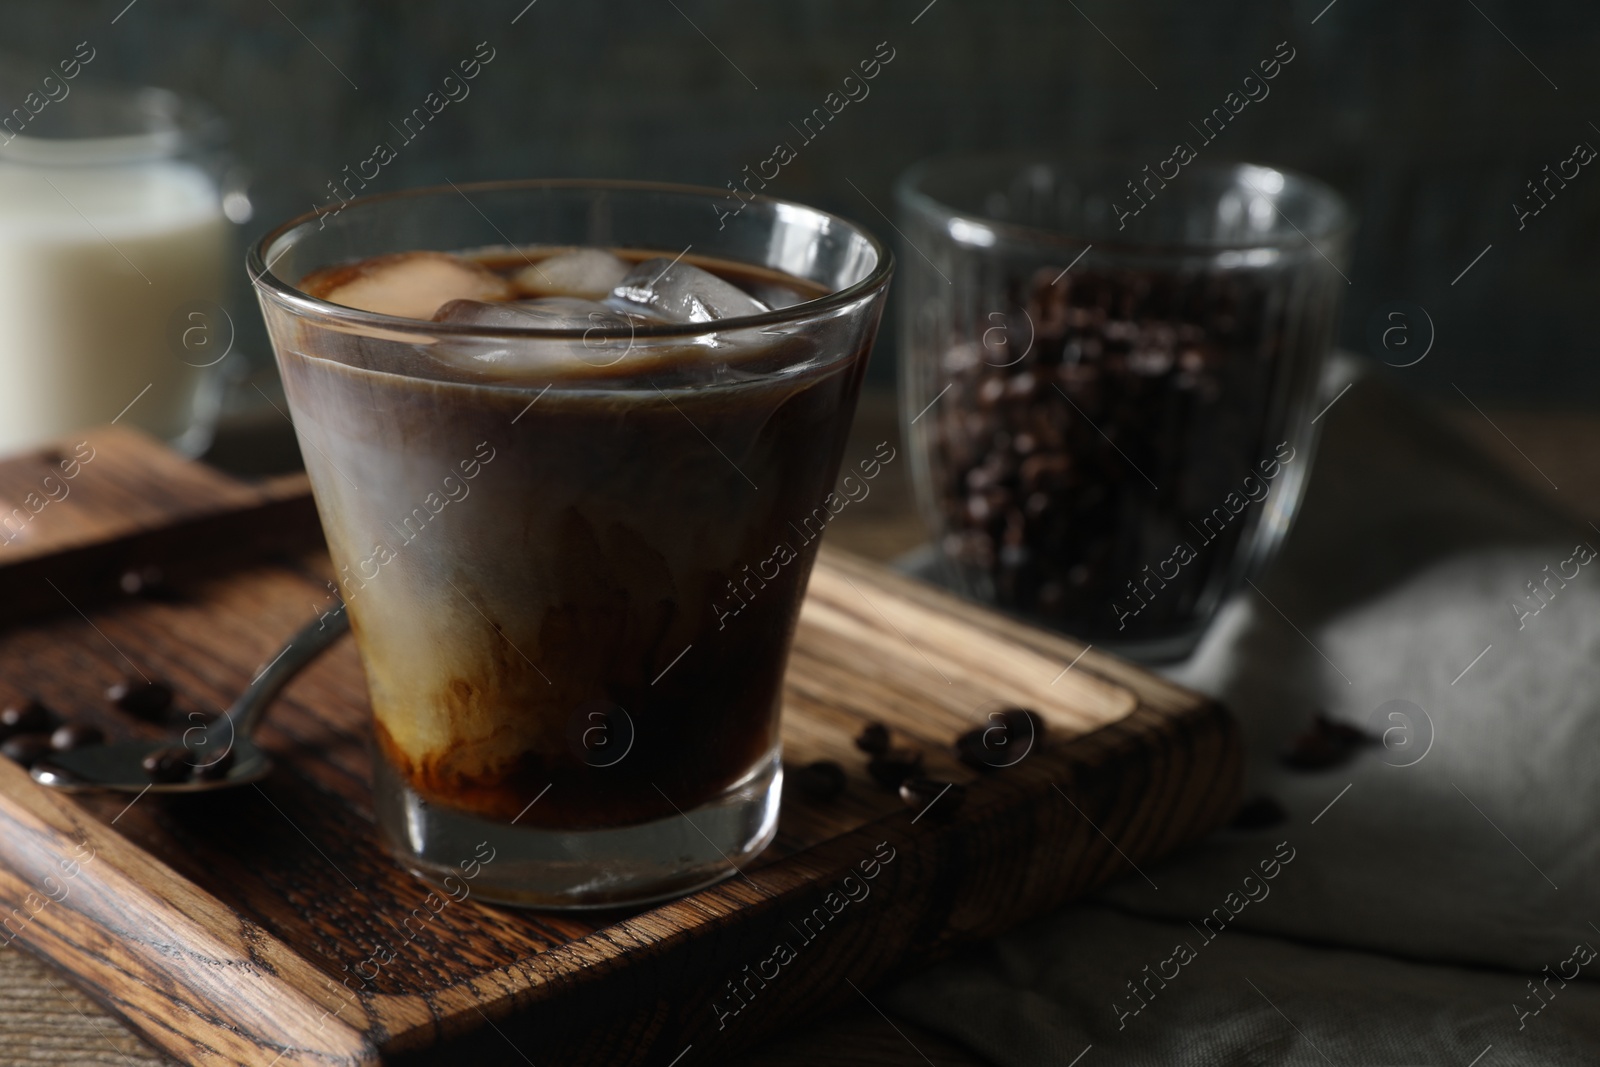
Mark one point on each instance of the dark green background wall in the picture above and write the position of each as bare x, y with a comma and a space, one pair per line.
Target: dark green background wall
1427, 117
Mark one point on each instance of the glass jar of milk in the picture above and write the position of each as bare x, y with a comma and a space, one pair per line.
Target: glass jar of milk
114, 250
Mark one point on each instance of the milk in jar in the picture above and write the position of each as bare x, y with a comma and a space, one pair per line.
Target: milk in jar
106, 244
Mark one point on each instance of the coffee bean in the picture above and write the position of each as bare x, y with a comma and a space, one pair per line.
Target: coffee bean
1258, 814
26, 749
1022, 385
214, 769
819, 781
169, 764
75, 735
894, 766
1004, 740
26, 717
1344, 733
873, 739
1040, 464
147, 700
1314, 752
1023, 722
938, 799
1324, 744
973, 750
981, 478
143, 581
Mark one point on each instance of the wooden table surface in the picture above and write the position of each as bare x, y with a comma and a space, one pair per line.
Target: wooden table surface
46, 1021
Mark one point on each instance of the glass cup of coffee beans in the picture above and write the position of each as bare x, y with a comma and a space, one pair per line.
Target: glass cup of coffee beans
1107, 381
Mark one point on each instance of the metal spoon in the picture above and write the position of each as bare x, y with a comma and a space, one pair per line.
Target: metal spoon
121, 766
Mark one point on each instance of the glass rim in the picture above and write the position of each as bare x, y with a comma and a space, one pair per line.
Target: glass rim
909, 192
257, 265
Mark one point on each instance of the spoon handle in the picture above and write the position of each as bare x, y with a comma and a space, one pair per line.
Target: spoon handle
312, 640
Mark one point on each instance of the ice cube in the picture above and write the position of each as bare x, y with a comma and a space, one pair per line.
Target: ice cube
585, 272
682, 292
411, 285
548, 313
593, 350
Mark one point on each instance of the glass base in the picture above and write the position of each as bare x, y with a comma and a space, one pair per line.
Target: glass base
568, 870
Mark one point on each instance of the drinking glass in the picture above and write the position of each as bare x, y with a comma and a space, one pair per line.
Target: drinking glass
1107, 379
574, 591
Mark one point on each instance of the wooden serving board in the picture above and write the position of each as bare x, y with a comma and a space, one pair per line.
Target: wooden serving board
265, 925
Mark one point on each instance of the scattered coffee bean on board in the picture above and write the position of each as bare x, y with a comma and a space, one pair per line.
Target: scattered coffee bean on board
148, 700
1023, 723
75, 735
938, 799
26, 749
142, 581
26, 717
1004, 740
169, 764
1258, 814
873, 739
972, 748
894, 766
819, 781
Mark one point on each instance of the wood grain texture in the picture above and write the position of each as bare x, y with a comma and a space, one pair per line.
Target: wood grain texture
48, 1022
228, 929
78, 517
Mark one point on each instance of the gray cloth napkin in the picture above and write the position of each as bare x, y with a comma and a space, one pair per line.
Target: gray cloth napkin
1441, 893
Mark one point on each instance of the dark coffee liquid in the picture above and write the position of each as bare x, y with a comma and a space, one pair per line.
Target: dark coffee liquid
558, 626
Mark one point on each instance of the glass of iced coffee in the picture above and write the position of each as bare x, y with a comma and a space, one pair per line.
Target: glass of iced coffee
559, 435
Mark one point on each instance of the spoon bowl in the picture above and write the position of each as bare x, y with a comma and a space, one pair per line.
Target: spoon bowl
120, 766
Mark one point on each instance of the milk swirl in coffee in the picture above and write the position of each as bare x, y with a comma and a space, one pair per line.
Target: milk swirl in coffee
533, 588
